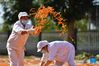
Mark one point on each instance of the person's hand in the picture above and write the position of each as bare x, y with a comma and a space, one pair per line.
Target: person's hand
30, 30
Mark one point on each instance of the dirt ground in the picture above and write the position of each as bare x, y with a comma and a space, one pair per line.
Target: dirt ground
34, 61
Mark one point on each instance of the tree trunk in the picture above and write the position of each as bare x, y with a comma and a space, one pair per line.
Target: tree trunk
40, 36
72, 33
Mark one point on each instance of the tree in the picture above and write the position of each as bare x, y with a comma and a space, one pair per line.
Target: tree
71, 10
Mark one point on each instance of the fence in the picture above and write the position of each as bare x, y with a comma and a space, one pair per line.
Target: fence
86, 41
31, 42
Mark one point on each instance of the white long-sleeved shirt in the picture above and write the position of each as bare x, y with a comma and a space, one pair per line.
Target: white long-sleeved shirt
59, 51
16, 40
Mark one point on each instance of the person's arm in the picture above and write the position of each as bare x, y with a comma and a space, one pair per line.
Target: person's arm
18, 29
51, 56
35, 32
31, 30
42, 63
44, 59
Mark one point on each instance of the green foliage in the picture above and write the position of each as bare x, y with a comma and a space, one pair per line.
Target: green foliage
83, 55
82, 24
51, 25
97, 57
6, 27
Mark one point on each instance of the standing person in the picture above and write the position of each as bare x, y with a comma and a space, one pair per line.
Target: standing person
58, 52
17, 39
